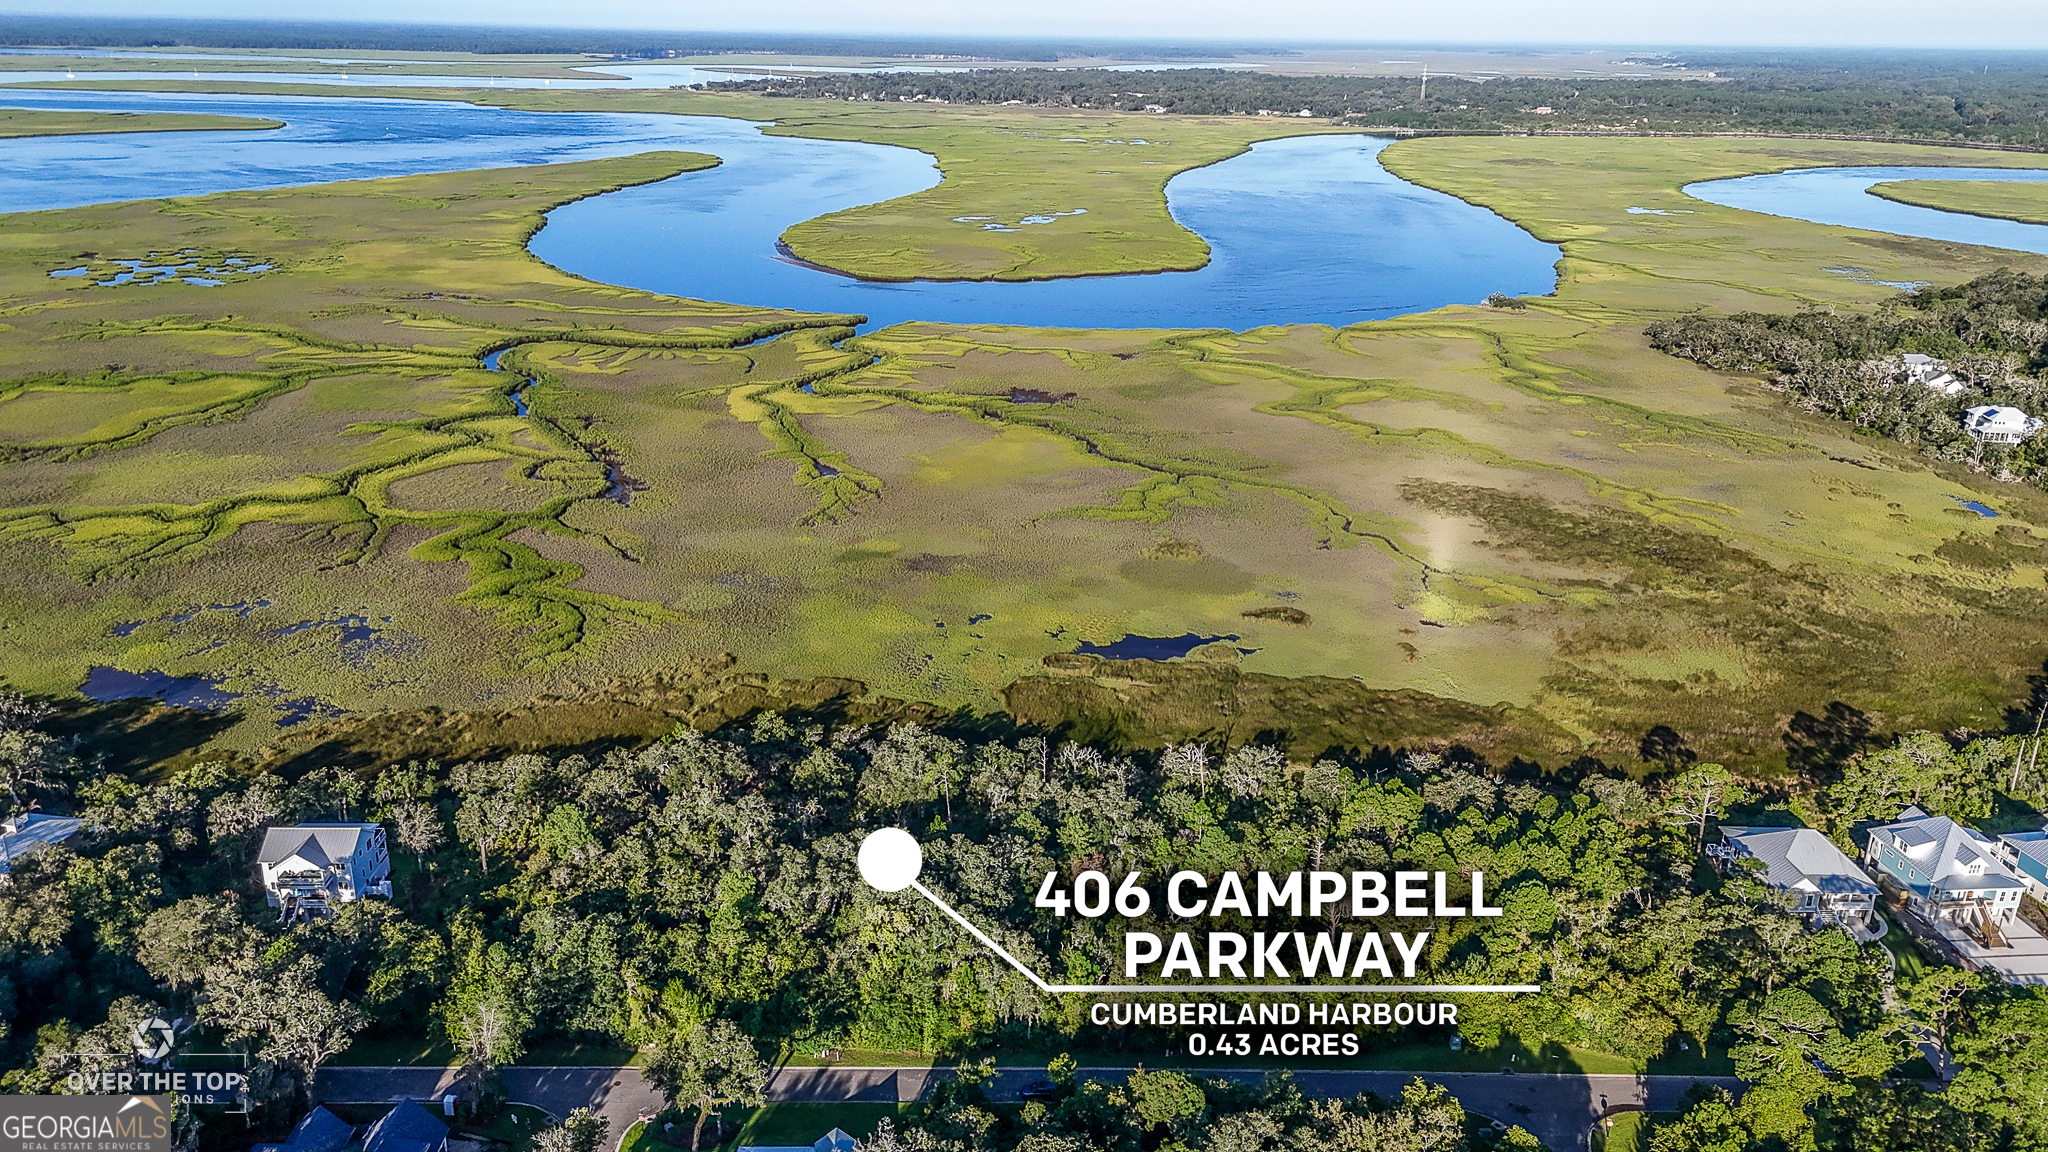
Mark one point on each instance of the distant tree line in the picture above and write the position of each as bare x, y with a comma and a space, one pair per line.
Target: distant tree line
2008, 109
1992, 333
166, 32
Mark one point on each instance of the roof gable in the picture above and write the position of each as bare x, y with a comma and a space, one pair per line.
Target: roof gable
34, 831
406, 1128
1953, 854
1800, 859
320, 845
320, 1131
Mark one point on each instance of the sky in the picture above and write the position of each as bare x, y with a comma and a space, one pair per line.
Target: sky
1837, 23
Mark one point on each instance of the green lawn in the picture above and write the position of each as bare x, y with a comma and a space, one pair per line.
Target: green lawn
434, 1051
1911, 964
1412, 1056
787, 1124
1627, 1131
514, 1126
389, 1051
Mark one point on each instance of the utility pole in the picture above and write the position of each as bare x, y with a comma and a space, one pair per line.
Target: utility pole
2038, 717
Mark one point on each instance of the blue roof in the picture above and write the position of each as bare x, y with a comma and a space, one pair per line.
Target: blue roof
320, 1131
316, 1131
407, 1128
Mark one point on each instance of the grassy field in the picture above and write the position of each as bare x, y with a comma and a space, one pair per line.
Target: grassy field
1524, 531
2027, 203
49, 122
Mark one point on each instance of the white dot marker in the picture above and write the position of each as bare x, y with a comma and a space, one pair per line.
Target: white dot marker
890, 859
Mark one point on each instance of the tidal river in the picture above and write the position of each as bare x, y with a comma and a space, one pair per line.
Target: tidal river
1302, 230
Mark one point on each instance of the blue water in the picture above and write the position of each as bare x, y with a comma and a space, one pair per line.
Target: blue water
1302, 230
1838, 196
1150, 647
1973, 506
518, 394
105, 684
327, 139
619, 76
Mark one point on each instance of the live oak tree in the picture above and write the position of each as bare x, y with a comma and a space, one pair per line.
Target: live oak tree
2003, 1060
580, 1131
485, 1013
707, 1067
633, 897
32, 761
1934, 1002
180, 943
491, 810
1707, 1122
417, 827
1922, 768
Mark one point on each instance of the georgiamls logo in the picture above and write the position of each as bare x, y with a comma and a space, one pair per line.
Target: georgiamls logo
153, 1039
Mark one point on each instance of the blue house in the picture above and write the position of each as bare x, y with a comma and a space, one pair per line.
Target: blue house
2027, 853
1951, 872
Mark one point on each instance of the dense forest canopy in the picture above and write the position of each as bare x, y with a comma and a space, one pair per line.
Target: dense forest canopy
700, 890
1991, 334
2010, 108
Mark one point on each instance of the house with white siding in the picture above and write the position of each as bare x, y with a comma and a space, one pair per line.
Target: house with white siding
1826, 886
2000, 424
307, 869
1926, 370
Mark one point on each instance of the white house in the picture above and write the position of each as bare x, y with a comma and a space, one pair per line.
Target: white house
1829, 887
1924, 369
311, 867
2027, 853
33, 832
1996, 424
1950, 872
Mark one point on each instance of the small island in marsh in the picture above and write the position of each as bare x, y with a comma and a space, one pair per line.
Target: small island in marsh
1996, 199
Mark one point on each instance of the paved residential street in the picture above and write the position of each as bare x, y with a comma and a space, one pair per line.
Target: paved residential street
1557, 1108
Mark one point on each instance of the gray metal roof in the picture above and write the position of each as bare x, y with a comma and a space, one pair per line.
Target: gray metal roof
1945, 849
2033, 845
1801, 860
319, 844
32, 832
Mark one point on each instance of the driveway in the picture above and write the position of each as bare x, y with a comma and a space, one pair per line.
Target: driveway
1558, 1109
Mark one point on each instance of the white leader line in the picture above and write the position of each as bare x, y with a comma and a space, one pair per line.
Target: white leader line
1176, 989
